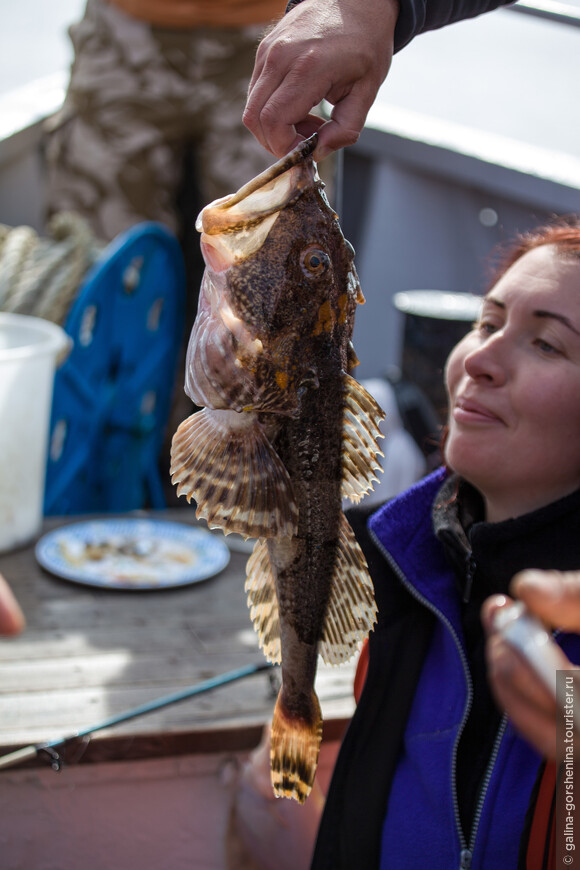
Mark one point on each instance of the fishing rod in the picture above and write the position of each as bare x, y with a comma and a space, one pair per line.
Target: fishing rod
32, 751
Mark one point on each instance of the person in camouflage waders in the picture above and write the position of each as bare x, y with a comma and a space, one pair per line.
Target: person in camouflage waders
155, 84
151, 126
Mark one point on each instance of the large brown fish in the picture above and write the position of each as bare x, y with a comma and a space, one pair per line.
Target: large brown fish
285, 433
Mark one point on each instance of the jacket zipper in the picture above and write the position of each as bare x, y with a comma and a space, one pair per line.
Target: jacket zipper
466, 854
484, 786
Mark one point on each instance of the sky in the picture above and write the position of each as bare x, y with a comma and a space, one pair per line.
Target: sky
40, 26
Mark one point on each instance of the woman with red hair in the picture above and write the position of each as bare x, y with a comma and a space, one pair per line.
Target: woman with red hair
432, 772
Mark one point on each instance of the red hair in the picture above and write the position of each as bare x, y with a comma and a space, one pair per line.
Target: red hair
563, 233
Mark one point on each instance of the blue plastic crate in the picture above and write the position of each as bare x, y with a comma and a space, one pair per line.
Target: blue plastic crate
113, 394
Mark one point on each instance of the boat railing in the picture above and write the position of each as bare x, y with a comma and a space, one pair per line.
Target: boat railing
550, 10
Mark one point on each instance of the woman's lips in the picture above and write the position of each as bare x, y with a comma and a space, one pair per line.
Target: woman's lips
470, 411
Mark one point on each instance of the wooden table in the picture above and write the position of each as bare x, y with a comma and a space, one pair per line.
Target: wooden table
159, 790
88, 654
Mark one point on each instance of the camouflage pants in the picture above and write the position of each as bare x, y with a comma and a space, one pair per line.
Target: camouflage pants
140, 100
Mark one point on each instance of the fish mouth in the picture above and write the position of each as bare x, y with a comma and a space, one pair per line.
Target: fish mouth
236, 226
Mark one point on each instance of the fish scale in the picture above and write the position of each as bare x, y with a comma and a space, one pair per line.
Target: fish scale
274, 325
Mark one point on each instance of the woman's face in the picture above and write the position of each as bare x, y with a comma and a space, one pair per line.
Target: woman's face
514, 388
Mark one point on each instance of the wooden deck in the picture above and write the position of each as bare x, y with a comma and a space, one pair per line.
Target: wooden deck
89, 654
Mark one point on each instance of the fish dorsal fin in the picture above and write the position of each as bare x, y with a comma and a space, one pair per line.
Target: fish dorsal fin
263, 601
351, 611
360, 451
224, 460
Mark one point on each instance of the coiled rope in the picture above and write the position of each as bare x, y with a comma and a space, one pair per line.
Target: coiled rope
42, 275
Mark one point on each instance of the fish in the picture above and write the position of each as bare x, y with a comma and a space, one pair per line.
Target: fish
284, 433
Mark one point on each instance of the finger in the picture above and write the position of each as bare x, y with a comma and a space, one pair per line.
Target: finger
259, 98
516, 688
347, 119
11, 616
508, 668
279, 138
554, 596
490, 608
274, 116
265, 81
259, 62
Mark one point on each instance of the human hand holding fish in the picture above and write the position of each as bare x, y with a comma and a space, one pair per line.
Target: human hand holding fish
285, 433
339, 51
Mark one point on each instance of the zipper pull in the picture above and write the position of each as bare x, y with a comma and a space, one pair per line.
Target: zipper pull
465, 859
470, 567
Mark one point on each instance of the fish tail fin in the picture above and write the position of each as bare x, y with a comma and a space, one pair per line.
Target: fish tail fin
294, 749
224, 460
360, 454
351, 611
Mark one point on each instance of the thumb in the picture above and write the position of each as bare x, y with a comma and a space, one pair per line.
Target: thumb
553, 596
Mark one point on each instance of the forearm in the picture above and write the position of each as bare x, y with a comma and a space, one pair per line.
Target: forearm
419, 16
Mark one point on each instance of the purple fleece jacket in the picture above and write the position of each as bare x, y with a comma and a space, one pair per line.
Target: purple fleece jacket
422, 827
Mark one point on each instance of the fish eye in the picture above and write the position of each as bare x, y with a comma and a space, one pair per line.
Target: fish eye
314, 262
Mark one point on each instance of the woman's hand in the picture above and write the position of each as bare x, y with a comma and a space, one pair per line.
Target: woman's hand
11, 616
554, 597
339, 51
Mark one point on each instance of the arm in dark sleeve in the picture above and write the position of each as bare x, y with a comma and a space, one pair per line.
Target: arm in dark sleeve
419, 16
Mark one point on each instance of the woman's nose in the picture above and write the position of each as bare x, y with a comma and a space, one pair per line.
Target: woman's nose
488, 361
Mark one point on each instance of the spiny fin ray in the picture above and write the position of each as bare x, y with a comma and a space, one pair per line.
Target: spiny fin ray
263, 602
360, 452
351, 611
225, 462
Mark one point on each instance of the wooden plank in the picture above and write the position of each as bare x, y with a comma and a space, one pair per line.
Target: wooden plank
38, 716
233, 736
127, 668
89, 654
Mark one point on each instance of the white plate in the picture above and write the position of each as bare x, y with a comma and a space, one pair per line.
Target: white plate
132, 553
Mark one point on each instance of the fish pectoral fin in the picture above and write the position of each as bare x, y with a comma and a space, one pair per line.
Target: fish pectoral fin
360, 452
263, 601
352, 610
224, 460
294, 749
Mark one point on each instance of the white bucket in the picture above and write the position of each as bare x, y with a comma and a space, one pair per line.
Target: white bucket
29, 347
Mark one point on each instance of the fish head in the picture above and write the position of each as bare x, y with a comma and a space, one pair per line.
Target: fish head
234, 227
286, 274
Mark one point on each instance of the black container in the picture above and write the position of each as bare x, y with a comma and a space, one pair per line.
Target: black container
434, 322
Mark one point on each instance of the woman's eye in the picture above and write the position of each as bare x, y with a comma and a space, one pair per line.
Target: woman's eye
485, 327
546, 347
314, 262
